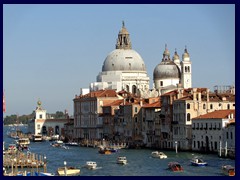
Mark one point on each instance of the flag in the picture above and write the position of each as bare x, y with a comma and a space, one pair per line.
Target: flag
4, 103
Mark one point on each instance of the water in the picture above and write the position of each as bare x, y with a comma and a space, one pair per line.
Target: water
140, 162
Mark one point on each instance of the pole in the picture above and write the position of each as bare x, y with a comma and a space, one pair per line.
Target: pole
226, 149
45, 164
220, 148
65, 168
176, 146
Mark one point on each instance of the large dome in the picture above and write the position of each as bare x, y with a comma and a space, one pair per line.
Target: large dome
123, 60
166, 70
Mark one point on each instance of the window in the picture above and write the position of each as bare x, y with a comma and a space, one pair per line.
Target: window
38, 126
211, 106
188, 68
227, 135
136, 120
188, 106
228, 106
40, 116
161, 83
136, 109
204, 106
188, 117
185, 68
231, 135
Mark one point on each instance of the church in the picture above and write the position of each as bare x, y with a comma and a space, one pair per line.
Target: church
124, 69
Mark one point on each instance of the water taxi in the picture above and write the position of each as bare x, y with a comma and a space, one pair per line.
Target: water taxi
121, 160
198, 162
157, 154
91, 165
228, 170
23, 143
175, 167
68, 171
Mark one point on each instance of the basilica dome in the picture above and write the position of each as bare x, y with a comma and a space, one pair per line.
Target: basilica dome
123, 60
166, 70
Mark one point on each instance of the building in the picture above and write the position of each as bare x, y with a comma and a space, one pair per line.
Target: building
45, 126
88, 122
123, 68
213, 130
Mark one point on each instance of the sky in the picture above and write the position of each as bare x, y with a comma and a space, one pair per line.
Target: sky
50, 51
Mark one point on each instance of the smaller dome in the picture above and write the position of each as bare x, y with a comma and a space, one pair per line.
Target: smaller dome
166, 70
176, 56
185, 54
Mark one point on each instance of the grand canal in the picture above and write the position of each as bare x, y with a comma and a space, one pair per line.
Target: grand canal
140, 162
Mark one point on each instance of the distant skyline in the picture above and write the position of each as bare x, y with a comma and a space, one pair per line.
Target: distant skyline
50, 51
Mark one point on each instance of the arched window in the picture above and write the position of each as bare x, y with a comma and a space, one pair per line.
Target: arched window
134, 89
188, 117
188, 106
127, 88
185, 68
188, 68
228, 106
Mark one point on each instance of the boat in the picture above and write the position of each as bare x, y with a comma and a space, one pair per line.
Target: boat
57, 143
23, 143
37, 138
104, 150
91, 165
175, 166
157, 154
68, 171
121, 160
228, 170
71, 144
198, 162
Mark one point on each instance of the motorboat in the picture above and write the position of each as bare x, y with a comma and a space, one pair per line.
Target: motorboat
104, 150
228, 170
175, 167
68, 171
198, 162
71, 144
37, 138
121, 160
157, 154
23, 143
91, 165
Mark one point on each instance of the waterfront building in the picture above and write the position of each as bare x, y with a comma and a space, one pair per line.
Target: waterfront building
43, 125
88, 122
191, 103
214, 129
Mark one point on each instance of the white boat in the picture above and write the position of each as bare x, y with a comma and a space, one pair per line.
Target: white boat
91, 165
198, 162
157, 154
121, 160
68, 171
72, 144
23, 143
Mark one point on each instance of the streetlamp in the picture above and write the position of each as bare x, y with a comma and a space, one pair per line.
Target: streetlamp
45, 164
176, 143
65, 168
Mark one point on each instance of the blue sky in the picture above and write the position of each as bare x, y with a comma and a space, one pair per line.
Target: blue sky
51, 51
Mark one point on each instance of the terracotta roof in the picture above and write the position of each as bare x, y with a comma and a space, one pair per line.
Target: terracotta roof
218, 114
115, 103
100, 93
156, 104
